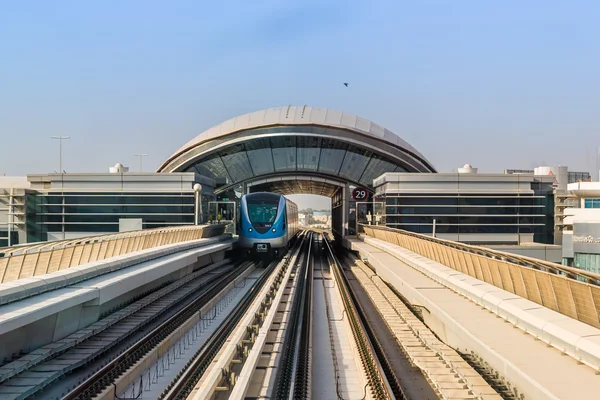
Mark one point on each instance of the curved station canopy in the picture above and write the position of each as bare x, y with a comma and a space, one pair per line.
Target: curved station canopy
296, 149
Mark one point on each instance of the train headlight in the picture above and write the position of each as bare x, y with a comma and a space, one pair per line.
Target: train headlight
249, 229
273, 229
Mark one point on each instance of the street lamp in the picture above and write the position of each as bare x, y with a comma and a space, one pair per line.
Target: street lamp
198, 208
141, 156
60, 139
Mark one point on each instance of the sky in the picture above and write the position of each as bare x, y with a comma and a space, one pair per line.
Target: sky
497, 84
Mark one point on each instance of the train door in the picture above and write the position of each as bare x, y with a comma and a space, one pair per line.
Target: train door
224, 212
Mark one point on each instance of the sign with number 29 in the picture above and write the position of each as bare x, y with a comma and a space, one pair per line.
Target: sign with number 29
360, 194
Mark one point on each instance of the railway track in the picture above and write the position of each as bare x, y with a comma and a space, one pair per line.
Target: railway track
70, 357
196, 378
447, 371
360, 310
106, 375
294, 371
382, 384
293, 365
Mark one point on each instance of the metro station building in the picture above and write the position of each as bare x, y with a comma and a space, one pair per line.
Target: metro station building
286, 150
304, 149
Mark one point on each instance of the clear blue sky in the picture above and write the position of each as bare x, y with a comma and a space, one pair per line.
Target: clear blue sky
498, 84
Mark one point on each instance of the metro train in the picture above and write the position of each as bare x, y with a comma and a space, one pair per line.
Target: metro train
268, 224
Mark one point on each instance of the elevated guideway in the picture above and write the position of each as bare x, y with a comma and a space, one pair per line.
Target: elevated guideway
46, 308
526, 322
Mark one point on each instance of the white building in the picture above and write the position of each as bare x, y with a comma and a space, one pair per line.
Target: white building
561, 173
466, 206
12, 209
43, 207
581, 226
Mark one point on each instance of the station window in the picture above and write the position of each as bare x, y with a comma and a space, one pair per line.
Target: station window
592, 203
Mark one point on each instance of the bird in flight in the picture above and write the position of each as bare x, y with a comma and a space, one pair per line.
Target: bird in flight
346, 84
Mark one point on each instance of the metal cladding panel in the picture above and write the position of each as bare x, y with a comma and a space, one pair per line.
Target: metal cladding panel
228, 126
242, 122
567, 244
317, 115
390, 136
363, 124
349, 120
256, 118
288, 113
334, 117
272, 116
302, 115
376, 130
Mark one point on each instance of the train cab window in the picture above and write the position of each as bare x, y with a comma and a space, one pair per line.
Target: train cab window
262, 208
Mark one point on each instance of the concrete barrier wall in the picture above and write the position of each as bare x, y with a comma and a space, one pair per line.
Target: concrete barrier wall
451, 332
36, 321
28, 261
24, 288
547, 284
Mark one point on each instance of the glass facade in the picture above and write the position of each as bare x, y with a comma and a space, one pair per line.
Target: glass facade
473, 213
544, 197
100, 212
587, 262
350, 151
296, 151
337, 212
4, 238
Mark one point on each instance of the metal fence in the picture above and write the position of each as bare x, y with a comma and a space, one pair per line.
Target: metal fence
569, 291
27, 261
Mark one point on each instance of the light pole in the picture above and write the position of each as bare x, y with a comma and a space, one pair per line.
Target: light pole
60, 139
141, 156
198, 208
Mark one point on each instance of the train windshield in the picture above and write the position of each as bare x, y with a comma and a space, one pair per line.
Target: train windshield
262, 208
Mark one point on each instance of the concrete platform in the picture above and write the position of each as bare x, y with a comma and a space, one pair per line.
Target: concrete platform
35, 321
536, 369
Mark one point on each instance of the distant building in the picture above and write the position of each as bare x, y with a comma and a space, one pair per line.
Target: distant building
581, 226
561, 172
71, 205
470, 207
302, 219
13, 191
321, 217
518, 171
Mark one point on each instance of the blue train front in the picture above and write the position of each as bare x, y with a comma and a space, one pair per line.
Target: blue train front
269, 222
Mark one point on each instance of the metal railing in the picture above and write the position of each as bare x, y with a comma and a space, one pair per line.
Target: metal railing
569, 291
28, 261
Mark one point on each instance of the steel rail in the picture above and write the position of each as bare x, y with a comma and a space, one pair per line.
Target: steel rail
376, 376
105, 376
300, 388
392, 379
154, 298
187, 379
290, 356
334, 357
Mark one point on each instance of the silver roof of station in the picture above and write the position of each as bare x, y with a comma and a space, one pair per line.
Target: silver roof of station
308, 140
